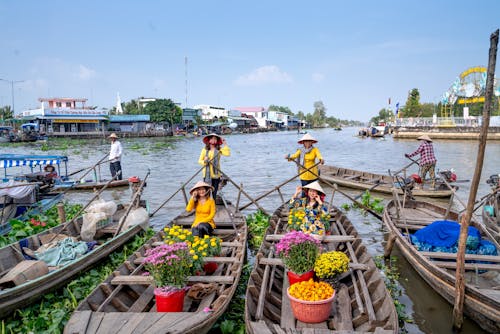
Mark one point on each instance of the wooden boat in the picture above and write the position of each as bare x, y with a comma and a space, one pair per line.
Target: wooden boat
362, 303
482, 294
88, 185
491, 208
125, 302
381, 183
15, 293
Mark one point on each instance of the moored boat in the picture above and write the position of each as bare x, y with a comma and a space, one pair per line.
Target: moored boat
125, 300
351, 178
362, 302
491, 208
437, 268
49, 259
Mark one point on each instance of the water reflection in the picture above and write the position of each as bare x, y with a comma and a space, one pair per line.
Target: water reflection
257, 162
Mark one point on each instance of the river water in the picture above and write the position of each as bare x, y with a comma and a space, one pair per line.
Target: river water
257, 162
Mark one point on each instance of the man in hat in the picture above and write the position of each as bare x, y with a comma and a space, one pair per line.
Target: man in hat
306, 159
115, 156
427, 159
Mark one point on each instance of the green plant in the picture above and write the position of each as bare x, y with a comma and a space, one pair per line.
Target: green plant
367, 200
169, 265
257, 223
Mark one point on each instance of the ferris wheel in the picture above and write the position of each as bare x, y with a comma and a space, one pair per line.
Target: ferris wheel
469, 87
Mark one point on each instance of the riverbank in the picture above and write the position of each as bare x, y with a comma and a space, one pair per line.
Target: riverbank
456, 132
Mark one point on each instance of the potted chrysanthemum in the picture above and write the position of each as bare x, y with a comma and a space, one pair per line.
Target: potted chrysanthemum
170, 266
331, 264
298, 251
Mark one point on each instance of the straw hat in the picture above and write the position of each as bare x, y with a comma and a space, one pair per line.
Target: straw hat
210, 135
307, 137
49, 166
316, 186
425, 137
201, 184
113, 135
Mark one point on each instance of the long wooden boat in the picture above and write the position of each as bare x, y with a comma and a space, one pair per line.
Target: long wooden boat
362, 303
88, 185
482, 294
125, 303
373, 182
13, 259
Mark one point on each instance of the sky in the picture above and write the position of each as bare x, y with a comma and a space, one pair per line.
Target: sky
351, 55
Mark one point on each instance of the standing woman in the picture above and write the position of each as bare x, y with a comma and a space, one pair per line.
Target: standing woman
210, 157
307, 158
204, 207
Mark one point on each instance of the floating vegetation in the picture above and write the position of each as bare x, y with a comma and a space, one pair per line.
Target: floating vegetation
257, 225
373, 203
391, 277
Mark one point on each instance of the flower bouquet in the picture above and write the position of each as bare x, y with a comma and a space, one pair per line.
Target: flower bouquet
298, 251
169, 265
199, 248
331, 264
311, 301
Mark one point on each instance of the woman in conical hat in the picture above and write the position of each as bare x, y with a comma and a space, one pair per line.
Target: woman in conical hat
306, 158
309, 213
204, 207
215, 147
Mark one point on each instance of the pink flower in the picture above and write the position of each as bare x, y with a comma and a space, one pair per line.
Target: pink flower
207, 310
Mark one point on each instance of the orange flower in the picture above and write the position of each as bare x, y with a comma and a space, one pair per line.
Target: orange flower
311, 291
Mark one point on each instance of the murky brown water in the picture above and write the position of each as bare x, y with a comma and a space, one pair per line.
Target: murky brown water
257, 162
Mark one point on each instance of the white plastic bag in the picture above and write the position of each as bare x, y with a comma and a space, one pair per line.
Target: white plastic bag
89, 225
138, 216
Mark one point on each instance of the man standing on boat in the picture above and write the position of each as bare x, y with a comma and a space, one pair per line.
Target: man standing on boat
427, 159
115, 155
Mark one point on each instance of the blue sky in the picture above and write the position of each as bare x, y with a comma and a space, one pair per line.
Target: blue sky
351, 55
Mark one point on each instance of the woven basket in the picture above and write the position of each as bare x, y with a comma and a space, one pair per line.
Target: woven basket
311, 311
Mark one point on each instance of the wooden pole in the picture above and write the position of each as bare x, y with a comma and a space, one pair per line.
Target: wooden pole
460, 272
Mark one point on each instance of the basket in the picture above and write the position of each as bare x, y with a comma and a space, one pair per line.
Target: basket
311, 311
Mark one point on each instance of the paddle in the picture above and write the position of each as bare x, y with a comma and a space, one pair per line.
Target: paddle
405, 167
334, 185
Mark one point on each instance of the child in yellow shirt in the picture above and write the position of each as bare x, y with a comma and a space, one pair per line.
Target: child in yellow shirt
204, 206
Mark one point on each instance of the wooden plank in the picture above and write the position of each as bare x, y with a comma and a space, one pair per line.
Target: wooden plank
287, 318
259, 327
279, 262
442, 255
146, 280
328, 238
95, 321
218, 259
134, 320
140, 304
112, 322
78, 322
467, 266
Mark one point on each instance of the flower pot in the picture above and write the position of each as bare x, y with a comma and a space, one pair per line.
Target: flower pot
294, 278
210, 267
172, 301
311, 311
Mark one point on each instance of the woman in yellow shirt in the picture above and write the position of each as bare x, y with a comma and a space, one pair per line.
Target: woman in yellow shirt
204, 207
210, 157
307, 158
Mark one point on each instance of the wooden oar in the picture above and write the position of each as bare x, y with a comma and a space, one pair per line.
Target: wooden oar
131, 205
343, 193
100, 162
405, 167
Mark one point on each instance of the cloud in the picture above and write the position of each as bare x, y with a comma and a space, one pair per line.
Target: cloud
318, 77
85, 73
269, 74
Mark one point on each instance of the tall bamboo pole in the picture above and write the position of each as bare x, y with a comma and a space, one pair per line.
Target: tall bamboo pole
459, 275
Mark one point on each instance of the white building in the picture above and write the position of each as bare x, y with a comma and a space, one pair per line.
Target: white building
209, 112
259, 113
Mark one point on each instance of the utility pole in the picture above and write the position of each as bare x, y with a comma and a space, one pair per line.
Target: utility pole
12, 82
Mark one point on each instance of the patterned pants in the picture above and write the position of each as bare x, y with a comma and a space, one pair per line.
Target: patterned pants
430, 169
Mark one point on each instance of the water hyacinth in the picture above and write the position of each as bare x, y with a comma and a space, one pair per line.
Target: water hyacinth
169, 265
298, 251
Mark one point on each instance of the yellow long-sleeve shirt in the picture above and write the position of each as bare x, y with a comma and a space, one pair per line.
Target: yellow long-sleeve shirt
204, 212
214, 174
310, 160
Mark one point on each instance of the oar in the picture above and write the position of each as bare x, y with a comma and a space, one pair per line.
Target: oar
370, 189
405, 167
181, 187
100, 162
137, 193
343, 193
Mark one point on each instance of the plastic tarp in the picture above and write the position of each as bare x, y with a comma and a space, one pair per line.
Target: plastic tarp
66, 251
16, 192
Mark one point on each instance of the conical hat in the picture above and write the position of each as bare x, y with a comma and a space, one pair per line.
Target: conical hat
425, 137
316, 186
307, 137
210, 135
201, 184
113, 135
